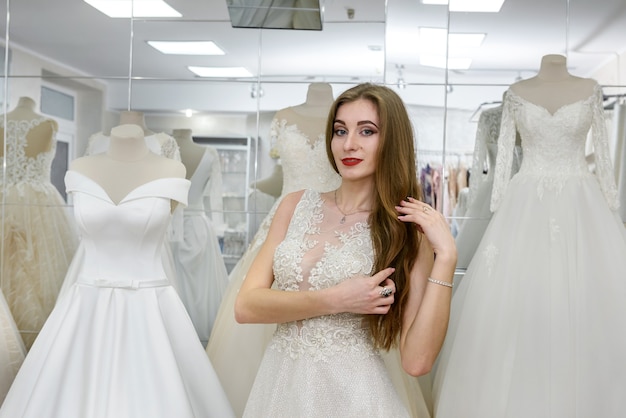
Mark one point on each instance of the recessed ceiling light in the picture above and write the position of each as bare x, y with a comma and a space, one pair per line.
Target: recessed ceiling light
221, 72
437, 39
187, 47
485, 6
134, 8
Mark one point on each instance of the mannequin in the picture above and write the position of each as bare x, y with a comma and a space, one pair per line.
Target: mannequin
273, 184
135, 118
120, 337
553, 87
160, 143
127, 163
40, 138
190, 152
200, 269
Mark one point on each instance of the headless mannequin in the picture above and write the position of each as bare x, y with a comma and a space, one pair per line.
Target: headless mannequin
554, 87
273, 184
127, 164
319, 98
40, 138
190, 152
135, 118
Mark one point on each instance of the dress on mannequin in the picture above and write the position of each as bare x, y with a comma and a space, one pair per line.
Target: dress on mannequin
298, 135
200, 269
120, 343
39, 238
159, 143
478, 213
545, 291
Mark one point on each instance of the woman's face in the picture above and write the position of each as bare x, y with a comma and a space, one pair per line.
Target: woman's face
356, 135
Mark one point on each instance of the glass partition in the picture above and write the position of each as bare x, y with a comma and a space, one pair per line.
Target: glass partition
108, 67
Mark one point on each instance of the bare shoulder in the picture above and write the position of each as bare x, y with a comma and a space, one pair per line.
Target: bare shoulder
289, 203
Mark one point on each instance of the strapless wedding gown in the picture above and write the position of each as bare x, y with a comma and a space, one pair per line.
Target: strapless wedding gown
119, 344
537, 326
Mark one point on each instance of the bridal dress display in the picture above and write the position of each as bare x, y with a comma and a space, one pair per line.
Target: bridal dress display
119, 344
478, 213
325, 366
200, 270
39, 236
538, 324
159, 143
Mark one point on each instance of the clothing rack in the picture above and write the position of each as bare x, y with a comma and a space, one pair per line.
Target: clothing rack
479, 109
611, 104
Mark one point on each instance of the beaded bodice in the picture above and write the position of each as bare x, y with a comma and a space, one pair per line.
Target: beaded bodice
316, 255
21, 168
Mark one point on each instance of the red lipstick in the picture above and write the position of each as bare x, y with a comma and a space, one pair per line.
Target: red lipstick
351, 161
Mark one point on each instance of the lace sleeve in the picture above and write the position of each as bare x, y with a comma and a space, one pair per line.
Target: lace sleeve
212, 195
479, 157
274, 129
504, 157
603, 167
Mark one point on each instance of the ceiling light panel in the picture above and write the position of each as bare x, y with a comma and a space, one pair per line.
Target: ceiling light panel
481, 6
134, 8
187, 47
221, 72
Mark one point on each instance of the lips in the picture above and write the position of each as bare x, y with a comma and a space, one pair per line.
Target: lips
351, 161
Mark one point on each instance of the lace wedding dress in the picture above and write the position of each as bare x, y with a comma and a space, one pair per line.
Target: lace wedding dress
236, 349
39, 237
537, 324
119, 344
324, 366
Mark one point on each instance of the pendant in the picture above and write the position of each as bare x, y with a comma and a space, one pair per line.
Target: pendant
343, 220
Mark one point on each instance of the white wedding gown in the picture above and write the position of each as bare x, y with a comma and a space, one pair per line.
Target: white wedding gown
324, 366
39, 236
119, 344
200, 270
538, 324
236, 349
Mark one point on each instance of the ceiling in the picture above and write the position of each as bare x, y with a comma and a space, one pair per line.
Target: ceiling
73, 33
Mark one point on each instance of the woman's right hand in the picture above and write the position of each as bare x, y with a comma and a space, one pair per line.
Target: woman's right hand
365, 294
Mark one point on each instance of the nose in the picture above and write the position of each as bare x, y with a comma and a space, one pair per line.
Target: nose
350, 142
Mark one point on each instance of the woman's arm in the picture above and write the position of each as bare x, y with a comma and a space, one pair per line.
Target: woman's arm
426, 313
257, 302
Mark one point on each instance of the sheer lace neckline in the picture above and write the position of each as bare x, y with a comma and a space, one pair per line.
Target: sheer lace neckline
583, 100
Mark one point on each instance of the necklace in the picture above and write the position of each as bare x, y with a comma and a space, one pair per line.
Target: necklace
343, 218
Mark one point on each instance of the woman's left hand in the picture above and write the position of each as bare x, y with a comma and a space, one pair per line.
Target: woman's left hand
430, 222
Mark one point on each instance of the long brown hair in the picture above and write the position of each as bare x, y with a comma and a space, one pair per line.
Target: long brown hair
395, 242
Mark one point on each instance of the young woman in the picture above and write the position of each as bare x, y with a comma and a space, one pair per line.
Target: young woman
346, 273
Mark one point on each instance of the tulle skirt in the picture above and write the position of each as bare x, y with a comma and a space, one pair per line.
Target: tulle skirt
39, 241
538, 324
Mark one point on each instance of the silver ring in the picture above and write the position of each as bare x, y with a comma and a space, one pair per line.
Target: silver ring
386, 292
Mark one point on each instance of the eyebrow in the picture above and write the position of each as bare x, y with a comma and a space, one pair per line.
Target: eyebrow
362, 122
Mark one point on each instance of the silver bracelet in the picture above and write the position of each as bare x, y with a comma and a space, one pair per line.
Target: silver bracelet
439, 282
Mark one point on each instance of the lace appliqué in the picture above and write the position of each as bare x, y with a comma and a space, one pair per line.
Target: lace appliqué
555, 229
490, 253
322, 337
21, 169
553, 146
